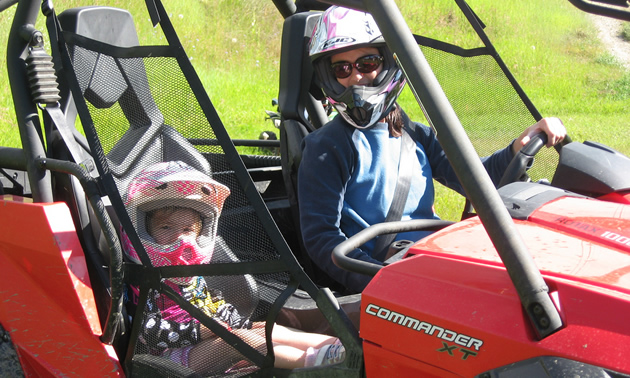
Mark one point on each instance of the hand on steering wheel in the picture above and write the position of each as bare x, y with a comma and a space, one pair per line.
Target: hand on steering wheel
547, 131
522, 161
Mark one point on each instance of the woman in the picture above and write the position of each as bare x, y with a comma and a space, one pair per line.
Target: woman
349, 168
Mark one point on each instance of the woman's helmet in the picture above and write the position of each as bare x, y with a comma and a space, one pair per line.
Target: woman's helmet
341, 29
174, 184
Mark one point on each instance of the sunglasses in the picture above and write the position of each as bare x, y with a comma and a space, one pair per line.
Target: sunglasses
365, 65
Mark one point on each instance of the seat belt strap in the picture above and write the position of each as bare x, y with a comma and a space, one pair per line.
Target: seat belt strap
396, 208
59, 120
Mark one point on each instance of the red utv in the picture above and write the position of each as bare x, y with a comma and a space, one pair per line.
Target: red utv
535, 283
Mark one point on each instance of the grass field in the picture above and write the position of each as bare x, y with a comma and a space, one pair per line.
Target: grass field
550, 46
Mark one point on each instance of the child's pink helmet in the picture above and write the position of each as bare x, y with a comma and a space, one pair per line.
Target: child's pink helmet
174, 184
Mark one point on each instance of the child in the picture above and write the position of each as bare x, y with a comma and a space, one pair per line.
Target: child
175, 209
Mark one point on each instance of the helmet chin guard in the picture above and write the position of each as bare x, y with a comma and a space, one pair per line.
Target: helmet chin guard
341, 29
184, 251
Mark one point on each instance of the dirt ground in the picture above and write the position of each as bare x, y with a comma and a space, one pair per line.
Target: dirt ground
9, 364
609, 34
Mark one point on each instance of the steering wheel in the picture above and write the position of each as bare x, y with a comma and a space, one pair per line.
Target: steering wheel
523, 160
341, 251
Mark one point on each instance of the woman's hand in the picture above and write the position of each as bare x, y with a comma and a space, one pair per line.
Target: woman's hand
552, 126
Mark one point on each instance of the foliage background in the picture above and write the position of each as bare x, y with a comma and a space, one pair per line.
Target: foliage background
551, 47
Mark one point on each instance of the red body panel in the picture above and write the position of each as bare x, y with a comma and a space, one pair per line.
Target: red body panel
454, 306
47, 301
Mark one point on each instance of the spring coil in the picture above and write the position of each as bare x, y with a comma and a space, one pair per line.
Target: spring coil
41, 76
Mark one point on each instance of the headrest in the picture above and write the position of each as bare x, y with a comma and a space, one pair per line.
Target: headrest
296, 70
108, 25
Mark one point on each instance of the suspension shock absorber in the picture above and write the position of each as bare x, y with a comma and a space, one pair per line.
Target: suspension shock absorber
41, 72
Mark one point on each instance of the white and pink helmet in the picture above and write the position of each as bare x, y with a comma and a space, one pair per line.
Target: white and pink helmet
340, 29
174, 184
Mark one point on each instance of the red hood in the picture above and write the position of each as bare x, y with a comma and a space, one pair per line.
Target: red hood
453, 311
573, 238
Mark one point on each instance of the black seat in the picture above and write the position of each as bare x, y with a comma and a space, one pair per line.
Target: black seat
107, 82
300, 104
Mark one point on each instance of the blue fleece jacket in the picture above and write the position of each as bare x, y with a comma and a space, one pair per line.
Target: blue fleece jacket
346, 183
